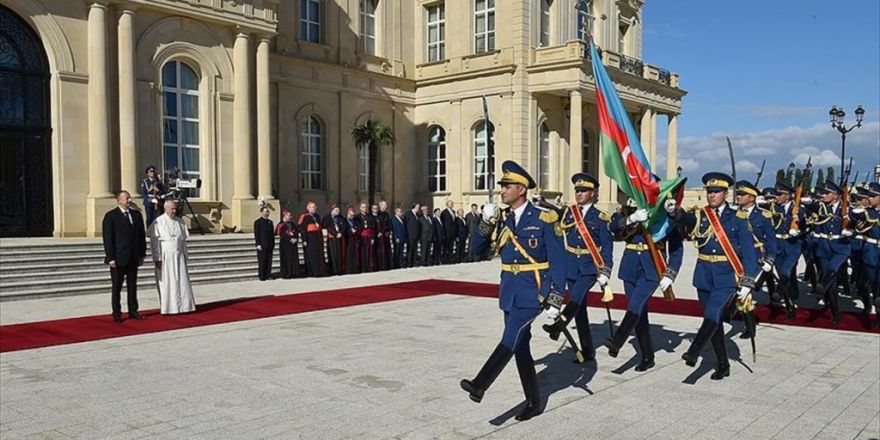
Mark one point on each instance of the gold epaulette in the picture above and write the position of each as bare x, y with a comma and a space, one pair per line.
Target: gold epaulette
549, 216
742, 214
767, 214
604, 216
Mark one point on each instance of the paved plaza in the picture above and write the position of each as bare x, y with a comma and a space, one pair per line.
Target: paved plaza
391, 371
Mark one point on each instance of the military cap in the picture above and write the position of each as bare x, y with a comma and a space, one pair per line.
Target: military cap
716, 181
149, 168
512, 172
782, 187
830, 187
746, 187
769, 192
873, 189
584, 182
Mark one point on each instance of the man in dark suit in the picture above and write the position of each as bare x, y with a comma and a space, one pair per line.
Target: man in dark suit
125, 246
447, 217
413, 233
461, 231
398, 235
427, 237
473, 220
439, 238
264, 236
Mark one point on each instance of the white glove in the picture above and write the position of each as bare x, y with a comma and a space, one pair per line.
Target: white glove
259, 248
602, 280
637, 217
665, 282
669, 205
794, 232
488, 212
743, 293
552, 312
767, 267
846, 233
807, 200
859, 210
760, 200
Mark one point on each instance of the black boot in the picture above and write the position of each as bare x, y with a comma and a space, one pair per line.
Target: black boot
564, 318
646, 348
786, 286
722, 369
582, 321
529, 379
615, 342
490, 371
703, 335
831, 296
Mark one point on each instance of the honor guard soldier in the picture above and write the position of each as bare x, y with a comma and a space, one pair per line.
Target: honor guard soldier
589, 252
764, 234
809, 244
727, 265
532, 264
832, 245
153, 193
639, 275
867, 230
785, 224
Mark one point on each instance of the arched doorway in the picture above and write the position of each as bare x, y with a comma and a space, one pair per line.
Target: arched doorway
25, 156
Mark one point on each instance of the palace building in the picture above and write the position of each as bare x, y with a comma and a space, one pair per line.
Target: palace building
257, 98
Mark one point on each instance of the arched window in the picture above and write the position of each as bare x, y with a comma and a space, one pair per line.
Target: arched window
310, 164
310, 20
180, 121
368, 26
544, 156
484, 26
364, 168
585, 151
545, 23
436, 159
482, 158
584, 20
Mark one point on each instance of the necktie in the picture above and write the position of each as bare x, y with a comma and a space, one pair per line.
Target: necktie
127, 217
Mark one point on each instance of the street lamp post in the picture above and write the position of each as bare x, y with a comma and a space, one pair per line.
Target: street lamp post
836, 114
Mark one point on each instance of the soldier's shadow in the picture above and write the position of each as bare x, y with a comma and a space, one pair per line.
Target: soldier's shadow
708, 361
662, 340
560, 372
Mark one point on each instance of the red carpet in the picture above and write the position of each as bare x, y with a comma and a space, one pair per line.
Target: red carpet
90, 328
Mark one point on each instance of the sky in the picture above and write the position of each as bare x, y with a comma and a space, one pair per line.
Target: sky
765, 73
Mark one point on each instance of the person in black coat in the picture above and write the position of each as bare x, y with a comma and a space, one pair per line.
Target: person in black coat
351, 233
439, 238
399, 236
367, 242
264, 236
461, 231
383, 235
125, 246
288, 245
447, 217
427, 236
413, 233
333, 224
310, 228
473, 220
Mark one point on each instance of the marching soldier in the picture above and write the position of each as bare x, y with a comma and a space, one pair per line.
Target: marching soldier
763, 232
727, 265
789, 245
809, 243
867, 231
640, 279
588, 249
532, 264
832, 245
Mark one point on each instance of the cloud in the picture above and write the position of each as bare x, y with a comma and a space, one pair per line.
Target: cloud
780, 111
760, 151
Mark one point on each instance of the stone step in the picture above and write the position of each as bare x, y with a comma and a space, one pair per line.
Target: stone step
9, 263
11, 252
98, 263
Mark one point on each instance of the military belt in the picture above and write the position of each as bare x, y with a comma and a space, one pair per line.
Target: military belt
783, 236
577, 251
868, 240
826, 236
642, 247
712, 258
516, 268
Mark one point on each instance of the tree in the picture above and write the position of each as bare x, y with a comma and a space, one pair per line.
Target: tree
829, 175
372, 134
789, 174
780, 175
820, 178
798, 174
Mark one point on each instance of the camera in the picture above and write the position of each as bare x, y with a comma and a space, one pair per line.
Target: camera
176, 185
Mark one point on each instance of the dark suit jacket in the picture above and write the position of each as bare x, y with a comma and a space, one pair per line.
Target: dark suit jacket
461, 229
398, 229
439, 230
427, 228
473, 220
412, 224
448, 220
124, 242
264, 233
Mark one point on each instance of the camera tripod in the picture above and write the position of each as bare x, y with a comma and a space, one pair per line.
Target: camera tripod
183, 203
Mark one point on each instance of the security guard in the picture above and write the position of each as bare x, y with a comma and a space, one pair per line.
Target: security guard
867, 230
764, 233
727, 265
589, 251
789, 244
832, 245
533, 267
639, 275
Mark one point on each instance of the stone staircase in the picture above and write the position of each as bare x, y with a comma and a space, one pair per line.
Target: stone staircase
41, 268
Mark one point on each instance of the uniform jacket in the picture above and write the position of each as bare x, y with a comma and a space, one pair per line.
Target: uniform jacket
671, 248
716, 276
596, 222
765, 233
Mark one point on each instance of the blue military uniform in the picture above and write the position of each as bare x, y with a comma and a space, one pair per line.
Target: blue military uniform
640, 280
581, 268
152, 189
714, 275
789, 246
832, 248
867, 232
533, 265
760, 221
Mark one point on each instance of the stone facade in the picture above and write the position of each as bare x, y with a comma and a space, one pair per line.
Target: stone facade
266, 93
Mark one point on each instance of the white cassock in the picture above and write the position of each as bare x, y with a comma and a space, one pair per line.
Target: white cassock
168, 243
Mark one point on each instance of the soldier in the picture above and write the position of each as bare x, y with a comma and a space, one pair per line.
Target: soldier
532, 264
809, 244
585, 233
789, 245
763, 232
867, 230
727, 265
153, 193
640, 279
832, 246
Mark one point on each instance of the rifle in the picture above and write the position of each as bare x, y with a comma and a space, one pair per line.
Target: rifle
732, 166
760, 173
798, 191
844, 202
748, 314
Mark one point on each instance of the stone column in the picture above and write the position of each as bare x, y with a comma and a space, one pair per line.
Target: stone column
242, 182
575, 141
672, 147
127, 103
645, 134
99, 196
652, 157
264, 126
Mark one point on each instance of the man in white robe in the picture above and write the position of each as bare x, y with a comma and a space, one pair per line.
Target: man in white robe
168, 237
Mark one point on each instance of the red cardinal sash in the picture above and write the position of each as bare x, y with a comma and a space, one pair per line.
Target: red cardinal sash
585, 235
724, 241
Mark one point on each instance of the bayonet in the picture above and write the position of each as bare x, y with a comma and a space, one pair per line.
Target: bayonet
732, 165
760, 173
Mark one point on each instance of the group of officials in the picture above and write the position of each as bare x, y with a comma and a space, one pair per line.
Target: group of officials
546, 250
367, 240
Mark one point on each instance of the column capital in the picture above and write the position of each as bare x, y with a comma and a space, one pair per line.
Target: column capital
99, 4
574, 92
126, 9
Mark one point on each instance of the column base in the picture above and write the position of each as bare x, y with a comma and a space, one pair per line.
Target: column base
96, 207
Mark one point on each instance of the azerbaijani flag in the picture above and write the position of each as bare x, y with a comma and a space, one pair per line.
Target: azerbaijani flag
625, 161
